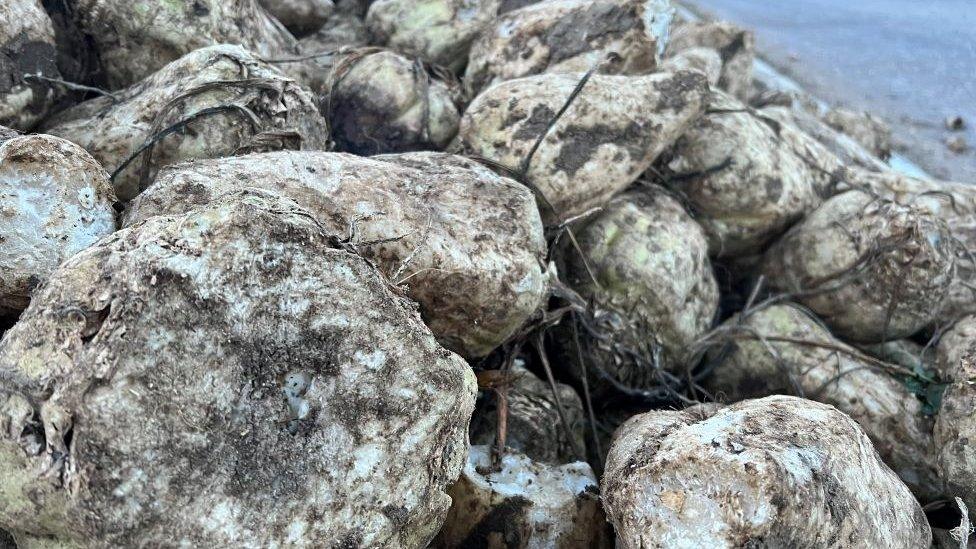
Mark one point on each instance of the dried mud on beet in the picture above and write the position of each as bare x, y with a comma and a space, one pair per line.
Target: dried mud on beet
782, 349
463, 273
373, 396
570, 36
712, 477
466, 244
611, 129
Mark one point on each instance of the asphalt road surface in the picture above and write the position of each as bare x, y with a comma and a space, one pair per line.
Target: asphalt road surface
911, 61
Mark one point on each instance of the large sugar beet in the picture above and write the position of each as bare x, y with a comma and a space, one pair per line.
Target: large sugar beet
955, 427
747, 177
775, 472
230, 377
382, 102
736, 46
440, 31
652, 289
466, 243
55, 201
610, 133
533, 423
872, 269
952, 202
570, 36
783, 350
27, 48
524, 504
135, 38
213, 102
301, 17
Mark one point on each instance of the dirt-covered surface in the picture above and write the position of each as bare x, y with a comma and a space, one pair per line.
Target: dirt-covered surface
465, 243
778, 471
872, 270
381, 102
570, 36
643, 265
232, 376
55, 201
613, 130
135, 38
440, 30
783, 349
534, 422
735, 45
955, 426
846, 148
954, 203
743, 177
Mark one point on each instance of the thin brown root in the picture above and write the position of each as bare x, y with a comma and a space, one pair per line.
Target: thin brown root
501, 395
544, 358
586, 392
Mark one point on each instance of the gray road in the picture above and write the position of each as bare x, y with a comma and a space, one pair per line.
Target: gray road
911, 61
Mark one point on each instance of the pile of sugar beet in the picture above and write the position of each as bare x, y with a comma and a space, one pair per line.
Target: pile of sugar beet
463, 273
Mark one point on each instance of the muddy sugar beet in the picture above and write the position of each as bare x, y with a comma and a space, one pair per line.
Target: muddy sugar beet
847, 151
29, 54
867, 130
747, 177
783, 349
135, 38
789, 472
643, 265
952, 202
27, 48
570, 36
611, 132
213, 102
55, 201
229, 377
955, 427
383, 102
466, 243
871, 269
440, 31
